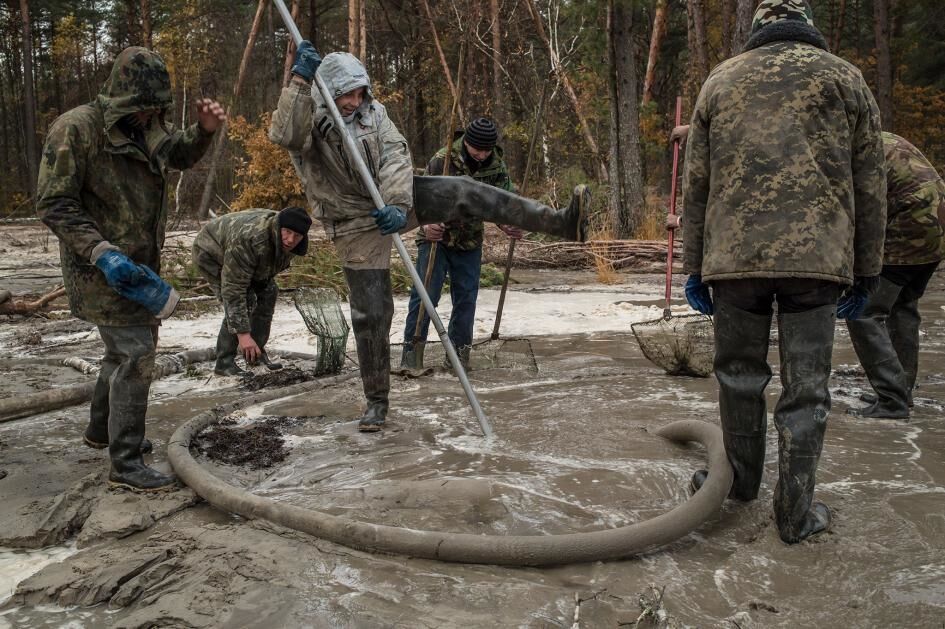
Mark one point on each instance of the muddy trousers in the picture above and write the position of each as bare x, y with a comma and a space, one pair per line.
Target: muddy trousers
372, 310
875, 350
261, 302
120, 401
446, 199
806, 315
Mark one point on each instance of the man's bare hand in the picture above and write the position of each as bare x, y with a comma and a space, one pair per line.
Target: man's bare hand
679, 133
513, 232
434, 232
248, 348
210, 115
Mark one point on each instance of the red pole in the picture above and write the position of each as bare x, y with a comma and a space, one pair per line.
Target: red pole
672, 210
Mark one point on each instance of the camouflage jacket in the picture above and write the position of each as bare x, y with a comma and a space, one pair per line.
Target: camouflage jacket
333, 186
246, 248
467, 235
96, 184
915, 195
784, 173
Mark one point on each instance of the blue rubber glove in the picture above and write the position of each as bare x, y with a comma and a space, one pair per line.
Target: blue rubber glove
156, 295
306, 60
390, 219
853, 302
697, 294
118, 268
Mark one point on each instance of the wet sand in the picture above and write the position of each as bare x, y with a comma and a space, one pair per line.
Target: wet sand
574, 451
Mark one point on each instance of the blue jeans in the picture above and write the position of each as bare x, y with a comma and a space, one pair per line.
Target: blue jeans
463, 268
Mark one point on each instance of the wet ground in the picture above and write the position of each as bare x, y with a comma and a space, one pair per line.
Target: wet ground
574, 451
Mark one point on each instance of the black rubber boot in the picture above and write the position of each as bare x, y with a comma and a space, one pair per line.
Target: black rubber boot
806, 344
903, 327
372, 309
874, 348
742, 370
96, 433
698, 480
260, 322
445, 199
128, 405
227, 345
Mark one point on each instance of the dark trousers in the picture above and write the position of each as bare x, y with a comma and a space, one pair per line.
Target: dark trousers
806, 310
120, 399
463, 268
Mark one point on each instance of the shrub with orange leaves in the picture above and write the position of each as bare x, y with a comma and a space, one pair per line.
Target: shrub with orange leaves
265, 177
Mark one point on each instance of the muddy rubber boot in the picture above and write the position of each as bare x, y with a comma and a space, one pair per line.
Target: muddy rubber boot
96, 433
875, 350
445, 199
260, 322
742, 370
372, 309
227, 345
128, 404
463, 354
698, 480
903, 327
806, 345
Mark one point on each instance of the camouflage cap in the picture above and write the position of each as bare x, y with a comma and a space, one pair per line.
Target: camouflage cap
770, 11
139, 81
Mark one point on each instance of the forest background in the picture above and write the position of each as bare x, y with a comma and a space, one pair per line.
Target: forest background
587, 88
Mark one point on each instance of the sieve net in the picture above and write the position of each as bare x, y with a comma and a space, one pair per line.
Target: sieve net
682, 346
321, 310
511, 353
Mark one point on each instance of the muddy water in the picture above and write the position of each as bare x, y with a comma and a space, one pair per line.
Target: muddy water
574, 451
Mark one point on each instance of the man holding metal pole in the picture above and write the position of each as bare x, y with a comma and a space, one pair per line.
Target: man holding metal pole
362, 226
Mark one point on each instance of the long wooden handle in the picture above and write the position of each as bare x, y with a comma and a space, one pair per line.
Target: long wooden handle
672, 211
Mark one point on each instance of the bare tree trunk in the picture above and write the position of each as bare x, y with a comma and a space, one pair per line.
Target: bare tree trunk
362, 31
728, 18
498, 98
204, 210
439, 52
884, 67
838, 26
29, 101
625, 165
290, 47
354, 27
698, 45
569, 90
147, 35
313, 24
656, 38
744, 12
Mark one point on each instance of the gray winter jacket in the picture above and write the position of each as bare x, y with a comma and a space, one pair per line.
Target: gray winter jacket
333, 187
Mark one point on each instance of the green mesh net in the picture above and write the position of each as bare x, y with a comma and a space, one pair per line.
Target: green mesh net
682, 346
321, 310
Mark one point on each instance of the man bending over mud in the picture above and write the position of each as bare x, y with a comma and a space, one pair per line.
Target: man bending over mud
362, 234
101, 190
240, 255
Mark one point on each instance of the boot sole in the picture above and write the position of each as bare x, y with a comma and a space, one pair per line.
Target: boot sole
370, 427
141, 490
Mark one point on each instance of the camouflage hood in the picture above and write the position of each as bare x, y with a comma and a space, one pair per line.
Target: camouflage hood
139, 81
784, 20
343, 73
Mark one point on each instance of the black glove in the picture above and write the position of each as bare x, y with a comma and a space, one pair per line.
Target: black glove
306, 61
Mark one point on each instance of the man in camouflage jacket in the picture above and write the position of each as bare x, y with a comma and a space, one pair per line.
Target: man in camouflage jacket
886, 337
458, 244
784, 200
102, 191
240, 254
361, 233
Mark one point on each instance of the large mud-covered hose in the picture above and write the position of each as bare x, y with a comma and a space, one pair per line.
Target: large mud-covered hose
44, 401
515, 550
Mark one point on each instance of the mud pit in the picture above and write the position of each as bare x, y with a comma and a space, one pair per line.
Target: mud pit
574, 452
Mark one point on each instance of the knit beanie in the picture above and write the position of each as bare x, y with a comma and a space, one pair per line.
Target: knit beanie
482, 134
770, 11
296, 219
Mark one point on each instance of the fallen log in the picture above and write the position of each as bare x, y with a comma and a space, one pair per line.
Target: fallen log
18, 307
